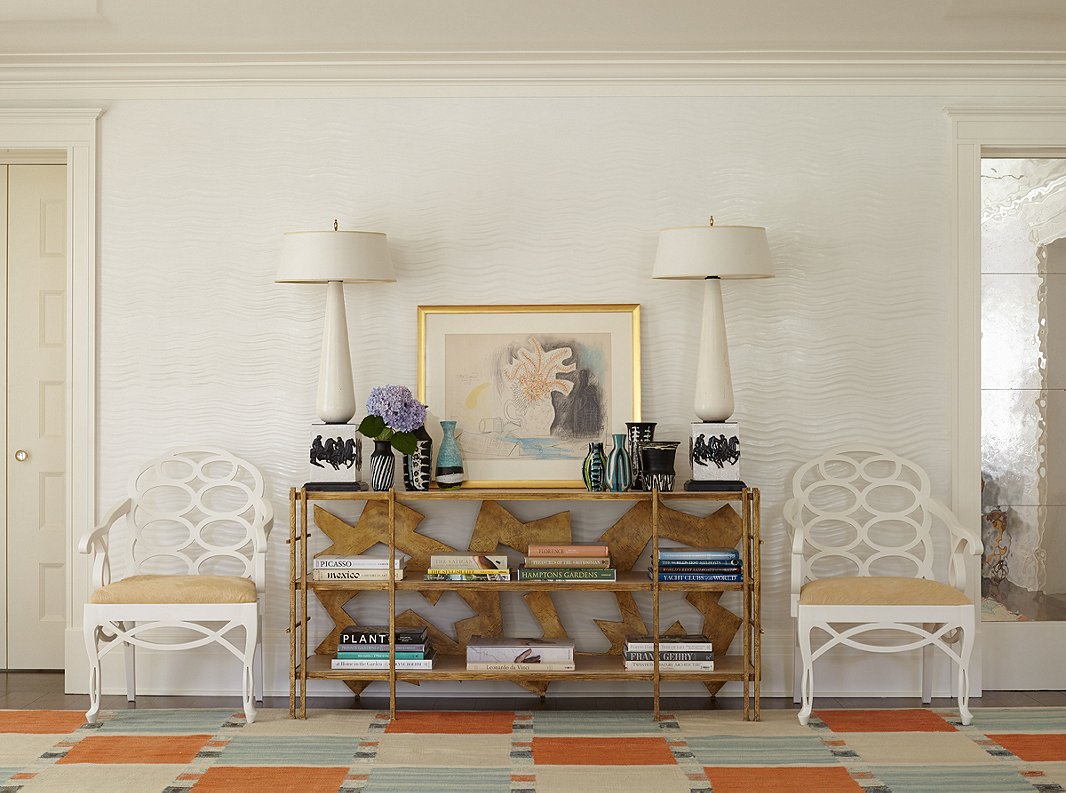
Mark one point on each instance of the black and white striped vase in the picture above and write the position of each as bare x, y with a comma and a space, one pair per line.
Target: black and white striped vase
382, 466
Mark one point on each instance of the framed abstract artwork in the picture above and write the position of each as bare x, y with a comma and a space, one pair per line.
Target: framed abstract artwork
529, 386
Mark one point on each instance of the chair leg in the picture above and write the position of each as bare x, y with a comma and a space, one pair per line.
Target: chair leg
251, 625
131, 665
93, 651
927, 668
260, 676
797, 671
965, 651
807, 672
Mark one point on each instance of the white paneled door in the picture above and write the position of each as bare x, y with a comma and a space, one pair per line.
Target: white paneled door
36, 431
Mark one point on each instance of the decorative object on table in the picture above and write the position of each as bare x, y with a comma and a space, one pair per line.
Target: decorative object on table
418, 466
449, 471
335, 457
619, 466
530, 386
658, 464
334, 258
996, 552
382, 466
712, 253
714, 451
394, 415
638, 432
594, 469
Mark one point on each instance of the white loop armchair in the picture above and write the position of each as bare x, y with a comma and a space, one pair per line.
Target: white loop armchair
197, 523
862, 561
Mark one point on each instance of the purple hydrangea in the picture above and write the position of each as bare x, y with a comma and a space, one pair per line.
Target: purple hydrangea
397, 407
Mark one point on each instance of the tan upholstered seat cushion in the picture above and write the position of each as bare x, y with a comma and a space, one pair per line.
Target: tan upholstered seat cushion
178, 589
880, 591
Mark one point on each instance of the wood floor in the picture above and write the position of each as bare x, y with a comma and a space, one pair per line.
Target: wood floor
44, 691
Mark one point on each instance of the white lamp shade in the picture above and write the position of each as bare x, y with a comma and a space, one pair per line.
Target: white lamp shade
719, 251
314, 257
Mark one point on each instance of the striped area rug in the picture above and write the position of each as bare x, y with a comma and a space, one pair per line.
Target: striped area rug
877, 751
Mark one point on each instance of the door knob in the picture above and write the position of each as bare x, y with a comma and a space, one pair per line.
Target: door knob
22, 455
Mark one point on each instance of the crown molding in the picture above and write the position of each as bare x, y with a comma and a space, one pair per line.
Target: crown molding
43, 76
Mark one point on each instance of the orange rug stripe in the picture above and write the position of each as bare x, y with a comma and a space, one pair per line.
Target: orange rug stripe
452, 723
257, 779
116, 749
781, 780
602, 751
1038, 747
903, 720
40, 722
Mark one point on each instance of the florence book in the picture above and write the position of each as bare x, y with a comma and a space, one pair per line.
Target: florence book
467, 561
348, 574
568, 550
535, 574
670, 666
519, 667
400, 655
362, 562
568, 561
377, 634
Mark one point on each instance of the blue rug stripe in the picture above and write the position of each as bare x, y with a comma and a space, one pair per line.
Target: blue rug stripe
439, 780
764, 750
292, 750
549, 723
946, 779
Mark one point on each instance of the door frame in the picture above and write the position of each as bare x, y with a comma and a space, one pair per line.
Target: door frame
988, 131
74, 131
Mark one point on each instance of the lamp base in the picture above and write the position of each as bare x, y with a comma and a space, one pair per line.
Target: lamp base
335, 456
714, 451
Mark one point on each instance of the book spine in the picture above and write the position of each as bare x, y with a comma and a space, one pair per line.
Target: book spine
366, 637
468, 571
526, 574
382, 648
568, 550
361, 562
468, 561
668, 655
511, 656
366, 663
701, 562
681, 553
568, 561
409, 656
670, 666
512, 667
700, 568
465, 577
734, 578
671, 647
354, 575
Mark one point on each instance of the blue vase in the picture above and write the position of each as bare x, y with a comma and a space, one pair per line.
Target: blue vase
619, 466
449, 459
595, 468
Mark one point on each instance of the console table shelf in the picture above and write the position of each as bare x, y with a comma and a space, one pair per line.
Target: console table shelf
652, 521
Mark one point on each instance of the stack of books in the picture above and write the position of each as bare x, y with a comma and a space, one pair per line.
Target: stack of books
468, 567
567, 563
368, 648
356, 568
485, 654
691, 653
699, 564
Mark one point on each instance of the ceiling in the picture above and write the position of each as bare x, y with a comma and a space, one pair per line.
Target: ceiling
36, 30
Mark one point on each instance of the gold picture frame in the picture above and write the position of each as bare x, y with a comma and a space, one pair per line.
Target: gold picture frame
496, 369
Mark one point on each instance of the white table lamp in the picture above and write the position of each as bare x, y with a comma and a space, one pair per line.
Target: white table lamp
712, 253
335, 258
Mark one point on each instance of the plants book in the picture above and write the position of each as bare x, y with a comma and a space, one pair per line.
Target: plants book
376, 634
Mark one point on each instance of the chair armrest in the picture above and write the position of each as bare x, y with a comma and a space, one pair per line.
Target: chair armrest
259, 540
796, 530
96, 543
964, 541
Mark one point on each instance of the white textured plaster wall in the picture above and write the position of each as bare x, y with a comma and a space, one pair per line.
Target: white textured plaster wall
524, 201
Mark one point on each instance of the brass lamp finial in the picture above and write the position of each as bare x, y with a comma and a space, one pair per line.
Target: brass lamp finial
711, 221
